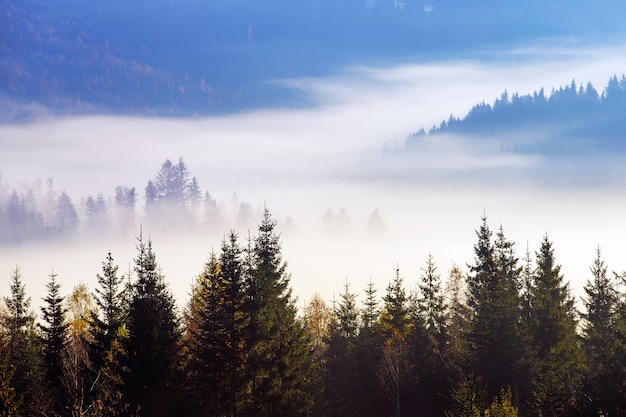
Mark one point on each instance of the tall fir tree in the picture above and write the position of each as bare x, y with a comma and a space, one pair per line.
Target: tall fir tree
23, 346
217, 335
429, 343
395, 314
107, 331
152, 345
279, 357
605, 375
54, 335
431, 304
557, 362
494, 336
340, 361
368, 353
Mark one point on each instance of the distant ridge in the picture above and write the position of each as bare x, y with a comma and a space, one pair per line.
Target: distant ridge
204, 57
571, 118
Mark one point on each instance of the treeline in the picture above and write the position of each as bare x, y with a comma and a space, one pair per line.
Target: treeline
172, 201
504, 339
560, 118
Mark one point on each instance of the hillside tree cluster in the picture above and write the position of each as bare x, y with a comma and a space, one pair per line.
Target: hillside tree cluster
502, 339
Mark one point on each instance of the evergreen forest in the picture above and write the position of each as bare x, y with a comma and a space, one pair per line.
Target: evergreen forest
570, 119
504, 338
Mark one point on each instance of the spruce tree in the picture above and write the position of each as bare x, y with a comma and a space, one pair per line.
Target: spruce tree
153, 340
217, 334
604, 376
106, 334
22, 346
557, 363
279, 356
431, 304
53, 338
494, 302
368, 352
395, 314
429, 342
340, 379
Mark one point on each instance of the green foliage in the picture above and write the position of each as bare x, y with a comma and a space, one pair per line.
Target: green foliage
502, 406
22, 346
53, 339
558, 361
495, 334
279, 359
605, 375
511, 337
395, 314
216, 331
9, 400
152, 346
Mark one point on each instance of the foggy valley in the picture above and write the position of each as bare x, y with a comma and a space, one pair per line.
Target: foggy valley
340, 156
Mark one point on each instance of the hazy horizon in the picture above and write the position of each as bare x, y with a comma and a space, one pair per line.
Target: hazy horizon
303, 161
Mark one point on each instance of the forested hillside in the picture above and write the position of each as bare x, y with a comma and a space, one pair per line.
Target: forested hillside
569, 119
502, 339
183, 58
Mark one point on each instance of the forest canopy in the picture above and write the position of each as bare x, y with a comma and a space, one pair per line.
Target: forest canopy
503, 338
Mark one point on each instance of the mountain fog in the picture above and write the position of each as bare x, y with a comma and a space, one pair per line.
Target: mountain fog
350, 206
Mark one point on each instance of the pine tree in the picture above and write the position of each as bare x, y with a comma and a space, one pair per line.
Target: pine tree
556, 373
431, 304
429, 343
106, 334
217, 334
22, 348
494, 301
340, 361
153, 340
106, 321
458, 322
67, 220
368, 352
54, 335
395, 313
10, 403
605, 376
279, 358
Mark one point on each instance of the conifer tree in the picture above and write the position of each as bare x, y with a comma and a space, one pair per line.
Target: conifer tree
53, 338
395, 314
368, 353
429, 343
106, 334
431, 304
279, 359
604, 376
557, 363
217, 334
10, 403
22, 346
153, 340
106, 321
458, 322
494, 301
340, 379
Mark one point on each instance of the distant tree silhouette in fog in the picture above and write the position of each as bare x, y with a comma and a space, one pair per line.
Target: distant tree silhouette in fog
568, 119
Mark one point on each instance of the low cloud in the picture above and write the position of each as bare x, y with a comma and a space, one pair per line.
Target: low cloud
304, 161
